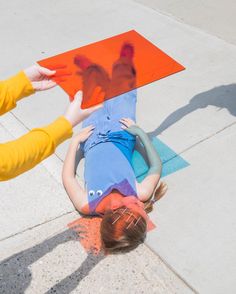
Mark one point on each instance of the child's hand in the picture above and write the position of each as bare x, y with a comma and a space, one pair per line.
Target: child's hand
40, 77
74, 114
129, 125
127, 122
84, 134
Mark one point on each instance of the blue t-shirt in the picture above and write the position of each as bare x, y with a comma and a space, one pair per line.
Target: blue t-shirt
108, 151
108, 167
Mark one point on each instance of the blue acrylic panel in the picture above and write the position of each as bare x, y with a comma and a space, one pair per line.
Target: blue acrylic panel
171, 161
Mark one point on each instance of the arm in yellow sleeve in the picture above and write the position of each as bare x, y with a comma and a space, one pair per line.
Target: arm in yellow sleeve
22, 154
14, 89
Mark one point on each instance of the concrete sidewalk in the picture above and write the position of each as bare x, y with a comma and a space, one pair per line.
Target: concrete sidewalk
193, 112
212, 16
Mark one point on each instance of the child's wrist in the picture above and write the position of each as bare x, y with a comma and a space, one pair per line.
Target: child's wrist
75, 142
134, 130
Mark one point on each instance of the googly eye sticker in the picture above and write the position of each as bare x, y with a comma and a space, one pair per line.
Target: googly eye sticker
99, 192
91, 193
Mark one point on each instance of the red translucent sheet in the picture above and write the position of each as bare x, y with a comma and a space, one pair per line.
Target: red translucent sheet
111, 67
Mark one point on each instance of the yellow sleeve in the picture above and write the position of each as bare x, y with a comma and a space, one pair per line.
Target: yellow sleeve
14, 89
22, 154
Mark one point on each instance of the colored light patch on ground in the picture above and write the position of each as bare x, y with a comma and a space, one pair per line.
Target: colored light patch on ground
171, 161
88, 231
149, 61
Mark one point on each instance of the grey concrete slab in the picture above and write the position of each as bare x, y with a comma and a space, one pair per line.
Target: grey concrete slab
196, 222
50, 259
215, 17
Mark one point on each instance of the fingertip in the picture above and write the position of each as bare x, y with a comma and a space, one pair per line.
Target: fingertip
78, 96
46, 71
79, 92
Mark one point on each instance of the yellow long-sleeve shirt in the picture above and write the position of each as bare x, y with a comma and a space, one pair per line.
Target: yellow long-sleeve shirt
24, 153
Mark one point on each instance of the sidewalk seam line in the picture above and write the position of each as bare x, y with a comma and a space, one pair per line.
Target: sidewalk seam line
206, 138
172, 269
38, 225
179, 20
7, 131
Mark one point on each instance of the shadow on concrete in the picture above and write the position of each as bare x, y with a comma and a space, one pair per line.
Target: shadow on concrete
78, 157
223, 97
15, 275
69, 283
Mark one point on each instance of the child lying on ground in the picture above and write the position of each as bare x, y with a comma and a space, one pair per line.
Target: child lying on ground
111, 190
107, 140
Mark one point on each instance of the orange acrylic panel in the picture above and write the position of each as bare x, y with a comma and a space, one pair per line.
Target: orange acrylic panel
111, 67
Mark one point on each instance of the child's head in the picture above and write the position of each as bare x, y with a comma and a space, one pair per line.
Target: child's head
123, 229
